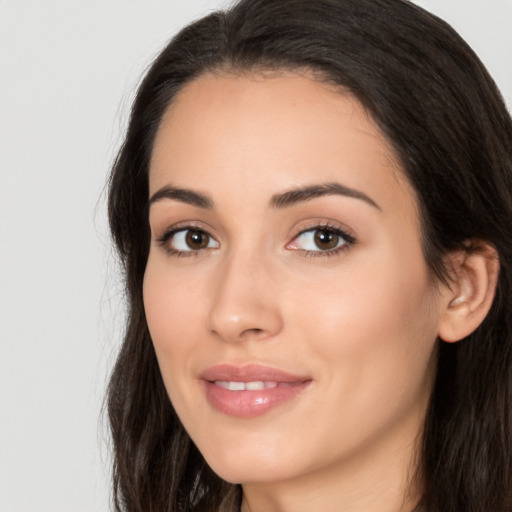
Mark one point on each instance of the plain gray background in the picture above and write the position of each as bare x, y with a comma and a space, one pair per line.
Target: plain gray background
68, 70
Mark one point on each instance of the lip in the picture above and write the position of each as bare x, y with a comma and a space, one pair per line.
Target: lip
249, 403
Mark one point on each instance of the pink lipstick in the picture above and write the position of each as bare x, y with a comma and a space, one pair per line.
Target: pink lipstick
251, 390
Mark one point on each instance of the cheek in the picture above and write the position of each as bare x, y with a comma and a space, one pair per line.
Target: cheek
372, 329
368, 294
170, 298
171, 306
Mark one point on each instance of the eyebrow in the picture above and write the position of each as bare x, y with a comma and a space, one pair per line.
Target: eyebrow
281, 200
183, 195
297, 195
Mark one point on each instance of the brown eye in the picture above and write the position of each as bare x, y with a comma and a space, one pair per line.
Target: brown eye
197, 239
321, 240
190, 241
326, 240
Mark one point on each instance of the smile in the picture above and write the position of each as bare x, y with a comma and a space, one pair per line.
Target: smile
248, 386
250, 391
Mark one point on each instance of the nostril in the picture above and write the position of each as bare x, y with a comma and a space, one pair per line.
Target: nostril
255, 332
243, 335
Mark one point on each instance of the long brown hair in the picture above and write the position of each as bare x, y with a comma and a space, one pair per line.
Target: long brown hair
442, 112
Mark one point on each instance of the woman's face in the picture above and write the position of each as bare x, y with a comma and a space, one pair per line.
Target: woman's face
286, 292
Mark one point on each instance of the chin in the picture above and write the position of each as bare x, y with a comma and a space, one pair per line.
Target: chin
249, 473
246, 466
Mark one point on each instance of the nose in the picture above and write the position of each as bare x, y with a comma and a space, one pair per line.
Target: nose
244, 304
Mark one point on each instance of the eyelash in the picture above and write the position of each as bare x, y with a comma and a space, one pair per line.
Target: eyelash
170, 233
349, 240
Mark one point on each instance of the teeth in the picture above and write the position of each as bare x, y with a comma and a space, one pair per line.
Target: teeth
255, 386
236, 386
246, 386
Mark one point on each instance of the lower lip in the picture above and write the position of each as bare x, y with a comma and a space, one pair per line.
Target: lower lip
251, 403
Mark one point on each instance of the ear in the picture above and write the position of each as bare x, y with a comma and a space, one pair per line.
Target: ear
469, 298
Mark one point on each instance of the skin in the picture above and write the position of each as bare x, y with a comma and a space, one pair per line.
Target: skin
361, 323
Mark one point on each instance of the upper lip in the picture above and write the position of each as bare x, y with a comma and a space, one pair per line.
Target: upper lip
249, 373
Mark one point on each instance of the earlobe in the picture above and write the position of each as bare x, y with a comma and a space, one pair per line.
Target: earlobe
470, 296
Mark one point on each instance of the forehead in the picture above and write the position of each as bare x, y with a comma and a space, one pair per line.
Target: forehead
262, 133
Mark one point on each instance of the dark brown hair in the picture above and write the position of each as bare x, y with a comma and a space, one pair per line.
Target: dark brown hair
442, 112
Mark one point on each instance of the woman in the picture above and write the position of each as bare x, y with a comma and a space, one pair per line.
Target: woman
313, 208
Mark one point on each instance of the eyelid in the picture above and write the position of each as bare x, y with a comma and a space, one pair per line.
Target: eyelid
165, 232
322, 223
167, 235
318, 225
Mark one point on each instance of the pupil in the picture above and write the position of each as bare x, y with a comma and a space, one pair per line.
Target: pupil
326, 239
196, 239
